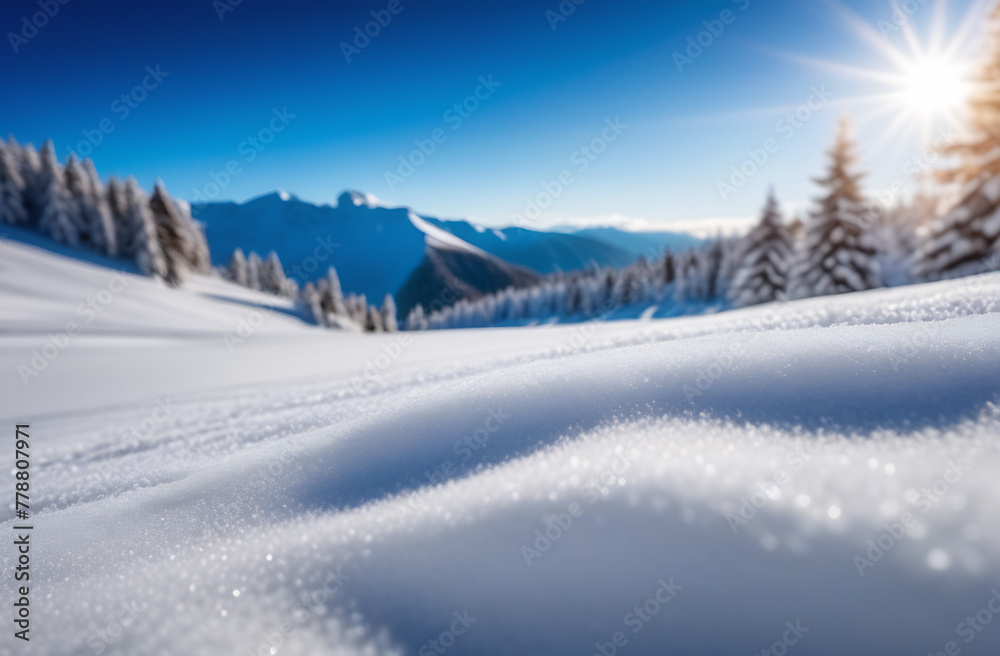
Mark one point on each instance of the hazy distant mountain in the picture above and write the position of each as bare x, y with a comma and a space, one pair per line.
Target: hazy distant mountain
544, 252
648, 244
378, 249
373, 248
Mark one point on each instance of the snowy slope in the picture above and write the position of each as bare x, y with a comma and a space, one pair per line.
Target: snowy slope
288, 482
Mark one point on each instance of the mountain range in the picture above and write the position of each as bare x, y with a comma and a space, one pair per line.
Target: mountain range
378, 250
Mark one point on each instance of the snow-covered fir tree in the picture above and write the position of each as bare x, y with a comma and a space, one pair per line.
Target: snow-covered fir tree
12, 209
373, 320
897, 235
336, 292
115, 194
310, 296
701, 274
272, 276
254, 265
58, 217
962, 240
76, 191
416, 319
171, 231
764, 256
196, 251
357, 308
96, 212
388, 312
31, 172
834, 255
139, 239
70, 205
237, 271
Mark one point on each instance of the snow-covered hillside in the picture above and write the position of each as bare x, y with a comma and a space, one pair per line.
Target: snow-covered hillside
814, 477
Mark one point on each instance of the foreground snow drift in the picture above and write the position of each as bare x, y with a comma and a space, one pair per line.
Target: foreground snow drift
819, 474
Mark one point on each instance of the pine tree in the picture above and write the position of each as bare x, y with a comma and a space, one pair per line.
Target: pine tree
96, 211
667, 267
685, 270
12, 209
571, 305
388, 312
967, 235
710, 268
337, 305
254, 266
764, 256
373, 320
357, 308
834, 256
196, 250
140, 241
417, 320
238, 268
171, 233
980, 151
272, 276
76, 193
312, 297
114, 192
57, 214
30, 164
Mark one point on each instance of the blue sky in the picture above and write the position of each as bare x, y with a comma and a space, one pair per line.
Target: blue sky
549, 93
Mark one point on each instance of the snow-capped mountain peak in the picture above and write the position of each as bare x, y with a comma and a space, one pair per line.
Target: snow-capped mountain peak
358, 199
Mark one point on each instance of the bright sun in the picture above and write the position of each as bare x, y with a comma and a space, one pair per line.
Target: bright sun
927, 82
932, 86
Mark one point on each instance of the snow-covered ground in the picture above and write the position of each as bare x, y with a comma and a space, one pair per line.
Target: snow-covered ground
210, 477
